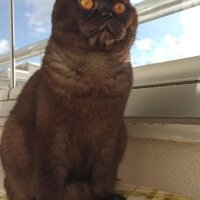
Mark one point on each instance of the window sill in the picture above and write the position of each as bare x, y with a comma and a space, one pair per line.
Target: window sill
168, 132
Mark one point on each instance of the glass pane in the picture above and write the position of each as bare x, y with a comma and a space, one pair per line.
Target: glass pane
134, 2
32, 24
4, 27
32, 21
169, 38
4, 40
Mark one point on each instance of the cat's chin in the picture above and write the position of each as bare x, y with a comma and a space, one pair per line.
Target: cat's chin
104, 40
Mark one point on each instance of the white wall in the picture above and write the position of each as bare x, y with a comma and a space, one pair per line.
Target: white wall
169, 162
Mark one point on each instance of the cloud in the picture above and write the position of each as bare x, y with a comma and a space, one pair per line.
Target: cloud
40, 15
4, 46
136, 1
41, 11
187, 44
190, 40
144, 45
40, 29
170, 47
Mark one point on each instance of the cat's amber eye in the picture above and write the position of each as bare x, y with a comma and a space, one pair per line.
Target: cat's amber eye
87, 4
119, 8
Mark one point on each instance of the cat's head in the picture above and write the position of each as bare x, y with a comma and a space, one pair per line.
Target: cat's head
102, 25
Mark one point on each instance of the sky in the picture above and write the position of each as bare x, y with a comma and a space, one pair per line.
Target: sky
168, 38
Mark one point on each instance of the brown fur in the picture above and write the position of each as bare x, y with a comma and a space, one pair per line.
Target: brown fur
66, 136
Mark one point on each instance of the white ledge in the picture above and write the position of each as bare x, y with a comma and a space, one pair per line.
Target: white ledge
168, 132
182, 70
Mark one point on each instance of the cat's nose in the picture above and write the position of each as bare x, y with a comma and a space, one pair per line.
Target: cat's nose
107, 15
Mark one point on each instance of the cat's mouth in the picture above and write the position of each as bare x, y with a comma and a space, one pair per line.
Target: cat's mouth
104, 39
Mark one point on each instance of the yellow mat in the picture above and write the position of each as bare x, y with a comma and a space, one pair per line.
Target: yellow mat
133, 192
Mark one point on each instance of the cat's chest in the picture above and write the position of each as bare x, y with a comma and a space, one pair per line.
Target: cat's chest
105, 78
96, 66
92, 75
95, 116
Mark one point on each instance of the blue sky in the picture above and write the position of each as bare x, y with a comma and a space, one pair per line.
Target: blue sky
172, 37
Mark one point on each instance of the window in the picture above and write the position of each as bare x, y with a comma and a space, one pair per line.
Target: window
172, 37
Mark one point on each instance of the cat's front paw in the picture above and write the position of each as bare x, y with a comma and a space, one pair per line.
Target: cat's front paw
115, 197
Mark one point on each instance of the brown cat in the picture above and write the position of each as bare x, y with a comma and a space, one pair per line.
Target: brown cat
66, 136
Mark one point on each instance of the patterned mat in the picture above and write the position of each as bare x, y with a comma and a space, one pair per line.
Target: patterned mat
133, 192
3, 197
